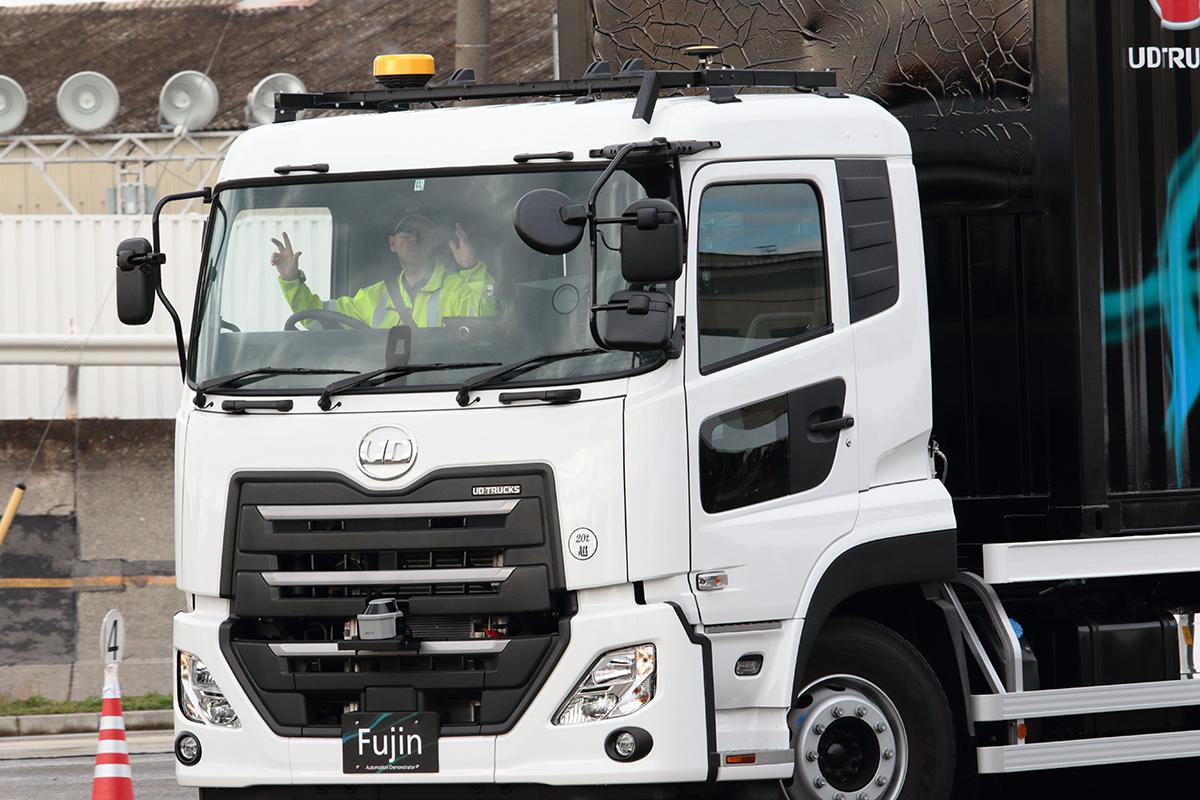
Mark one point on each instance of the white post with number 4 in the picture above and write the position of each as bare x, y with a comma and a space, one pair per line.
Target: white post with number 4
112, 638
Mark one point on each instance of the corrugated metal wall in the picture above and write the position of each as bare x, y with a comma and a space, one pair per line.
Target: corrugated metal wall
55, 274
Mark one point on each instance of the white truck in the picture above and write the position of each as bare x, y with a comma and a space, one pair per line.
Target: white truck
521, 514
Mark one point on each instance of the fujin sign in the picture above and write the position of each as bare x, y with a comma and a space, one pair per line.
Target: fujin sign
390, 742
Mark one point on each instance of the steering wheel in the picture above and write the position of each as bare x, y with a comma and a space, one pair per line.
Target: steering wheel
327, 319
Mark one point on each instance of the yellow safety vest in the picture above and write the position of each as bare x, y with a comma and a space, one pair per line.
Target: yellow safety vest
466, 293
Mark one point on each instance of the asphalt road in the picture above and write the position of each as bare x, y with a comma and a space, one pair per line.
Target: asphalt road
71, 778
60, 768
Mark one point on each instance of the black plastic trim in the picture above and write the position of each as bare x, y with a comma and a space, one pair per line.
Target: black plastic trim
242, 406
868, 220
526, 590
199, 750
466, 791
641, 737
539, 679
908, 559
288, 684
551, 396
598, 79
767, 349
230, 542
710, 705
225, 641
535, 585
954, 628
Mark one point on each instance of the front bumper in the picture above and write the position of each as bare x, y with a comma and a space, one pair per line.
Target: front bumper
533, 752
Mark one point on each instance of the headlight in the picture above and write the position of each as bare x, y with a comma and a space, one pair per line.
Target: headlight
621, 682
200, 699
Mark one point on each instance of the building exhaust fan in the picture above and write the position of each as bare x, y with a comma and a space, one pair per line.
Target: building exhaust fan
188, 101
260, 103
12, 104
87, 101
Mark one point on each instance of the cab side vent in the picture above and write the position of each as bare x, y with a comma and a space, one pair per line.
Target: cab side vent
870, 229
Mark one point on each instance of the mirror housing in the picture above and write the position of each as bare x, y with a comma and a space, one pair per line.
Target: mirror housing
639, 321
137, 280
545, 219
651, 242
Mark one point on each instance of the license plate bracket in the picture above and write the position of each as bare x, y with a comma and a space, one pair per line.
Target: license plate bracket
389, 742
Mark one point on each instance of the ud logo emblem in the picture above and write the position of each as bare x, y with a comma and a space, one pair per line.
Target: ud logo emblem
386, 452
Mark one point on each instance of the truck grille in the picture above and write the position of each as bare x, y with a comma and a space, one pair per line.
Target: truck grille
480, 581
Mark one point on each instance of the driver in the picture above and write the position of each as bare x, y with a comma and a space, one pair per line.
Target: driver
422, 294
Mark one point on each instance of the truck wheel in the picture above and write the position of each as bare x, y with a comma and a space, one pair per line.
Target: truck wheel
872, 722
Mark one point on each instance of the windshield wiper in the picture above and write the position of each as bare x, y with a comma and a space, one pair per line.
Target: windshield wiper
257, 374
387, 373
494, 375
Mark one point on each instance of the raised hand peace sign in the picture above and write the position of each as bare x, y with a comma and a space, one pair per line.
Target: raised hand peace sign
286, 260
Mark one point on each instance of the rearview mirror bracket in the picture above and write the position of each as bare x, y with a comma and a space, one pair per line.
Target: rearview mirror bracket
652, 219
134, 255
588, 213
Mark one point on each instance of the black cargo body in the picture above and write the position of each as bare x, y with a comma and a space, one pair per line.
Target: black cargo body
1062, 282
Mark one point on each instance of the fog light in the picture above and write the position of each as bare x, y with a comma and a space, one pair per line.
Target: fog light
628, 744
187, 749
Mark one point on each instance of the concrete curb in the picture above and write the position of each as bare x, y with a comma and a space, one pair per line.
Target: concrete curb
52, 724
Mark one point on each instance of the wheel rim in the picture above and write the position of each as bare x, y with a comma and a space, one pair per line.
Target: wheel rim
849, 742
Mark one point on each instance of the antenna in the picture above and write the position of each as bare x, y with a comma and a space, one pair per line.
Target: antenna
87, 101
260, 103
188, 100
12, 104
706, 53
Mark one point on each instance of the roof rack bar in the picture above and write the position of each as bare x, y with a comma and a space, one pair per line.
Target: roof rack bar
287, 106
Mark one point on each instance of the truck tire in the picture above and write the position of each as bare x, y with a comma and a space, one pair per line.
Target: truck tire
871, 721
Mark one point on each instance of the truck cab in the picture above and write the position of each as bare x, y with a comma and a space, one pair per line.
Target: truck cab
616, 407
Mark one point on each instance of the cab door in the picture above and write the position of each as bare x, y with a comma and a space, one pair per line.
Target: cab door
769, 383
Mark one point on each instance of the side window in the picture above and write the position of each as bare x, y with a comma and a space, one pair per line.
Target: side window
763, 280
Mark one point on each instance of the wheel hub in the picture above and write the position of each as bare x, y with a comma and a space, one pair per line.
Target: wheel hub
849, 742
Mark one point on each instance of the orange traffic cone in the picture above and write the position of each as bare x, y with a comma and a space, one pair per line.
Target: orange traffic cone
113, 779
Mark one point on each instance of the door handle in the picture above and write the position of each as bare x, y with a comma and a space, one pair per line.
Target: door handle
832, 426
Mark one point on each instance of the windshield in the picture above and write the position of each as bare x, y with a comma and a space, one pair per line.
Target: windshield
366, 274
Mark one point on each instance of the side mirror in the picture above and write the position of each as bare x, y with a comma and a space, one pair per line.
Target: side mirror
545, 219
651, 242
137, 279
639, 321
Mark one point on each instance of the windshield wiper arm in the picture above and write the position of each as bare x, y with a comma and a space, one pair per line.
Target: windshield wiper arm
387, 373
492, 375
258, 374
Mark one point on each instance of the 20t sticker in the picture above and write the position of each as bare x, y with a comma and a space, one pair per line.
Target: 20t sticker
582, 544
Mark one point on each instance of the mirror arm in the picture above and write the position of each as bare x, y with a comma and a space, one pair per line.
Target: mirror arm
675, 348
593, 194
158, 258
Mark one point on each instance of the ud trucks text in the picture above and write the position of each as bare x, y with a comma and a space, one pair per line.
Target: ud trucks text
583, 441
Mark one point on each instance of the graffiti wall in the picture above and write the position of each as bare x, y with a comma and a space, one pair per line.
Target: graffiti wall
1056, 144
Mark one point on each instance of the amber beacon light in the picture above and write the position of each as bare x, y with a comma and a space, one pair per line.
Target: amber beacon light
404, 70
